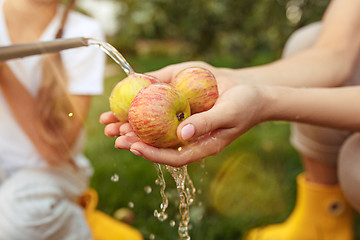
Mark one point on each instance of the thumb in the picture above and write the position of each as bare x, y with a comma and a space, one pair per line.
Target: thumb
200, 124
165, 74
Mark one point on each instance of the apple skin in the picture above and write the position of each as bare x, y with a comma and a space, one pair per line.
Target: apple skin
124, 92
199, 86
156, 112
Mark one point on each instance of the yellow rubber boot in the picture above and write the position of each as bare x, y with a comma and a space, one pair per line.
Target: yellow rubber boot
321, 213
104, 227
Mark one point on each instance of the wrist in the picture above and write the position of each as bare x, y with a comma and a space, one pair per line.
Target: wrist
269, 101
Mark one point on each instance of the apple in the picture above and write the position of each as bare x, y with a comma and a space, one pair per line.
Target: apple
124, 92
156, 112
199, 86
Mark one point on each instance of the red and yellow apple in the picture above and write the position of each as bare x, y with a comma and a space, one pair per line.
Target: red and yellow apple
124, 92
156, 112
199, 86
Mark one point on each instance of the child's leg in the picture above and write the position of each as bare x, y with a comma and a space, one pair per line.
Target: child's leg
319, 148
349, 170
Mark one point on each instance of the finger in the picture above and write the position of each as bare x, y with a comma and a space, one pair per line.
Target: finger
107, 117
132, 134
112, 129
166, 156
167, 73
203, 123
125, 142
208, 145
125, 128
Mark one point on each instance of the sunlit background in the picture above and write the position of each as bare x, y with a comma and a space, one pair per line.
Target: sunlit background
252, 182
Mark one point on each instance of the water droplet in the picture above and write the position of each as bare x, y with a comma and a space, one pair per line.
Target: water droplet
71, 114
152, 236
156, 213
115, 178
161, 216
131, 205
172, 223
179, 149
148, 189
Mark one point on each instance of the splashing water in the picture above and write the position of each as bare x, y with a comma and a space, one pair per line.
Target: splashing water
114, 178
148, 189
172, 223
131, 205
184, 184
162, 216
186, 192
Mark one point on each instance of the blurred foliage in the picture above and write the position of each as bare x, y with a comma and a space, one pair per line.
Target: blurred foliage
245, 30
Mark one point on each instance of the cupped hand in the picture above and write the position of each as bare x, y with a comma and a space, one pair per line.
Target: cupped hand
208, 133
204, 134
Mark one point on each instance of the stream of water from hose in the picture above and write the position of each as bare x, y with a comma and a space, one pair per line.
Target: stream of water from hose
185, 187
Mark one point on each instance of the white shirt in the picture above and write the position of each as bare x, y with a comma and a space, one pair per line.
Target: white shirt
85, 67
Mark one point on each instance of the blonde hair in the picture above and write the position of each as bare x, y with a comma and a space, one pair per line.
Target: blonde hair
53, 99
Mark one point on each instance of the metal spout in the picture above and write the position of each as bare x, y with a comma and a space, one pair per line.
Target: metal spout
35, 48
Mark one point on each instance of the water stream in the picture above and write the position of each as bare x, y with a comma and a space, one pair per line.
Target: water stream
113, 53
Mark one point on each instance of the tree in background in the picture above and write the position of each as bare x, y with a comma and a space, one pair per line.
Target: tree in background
248, 31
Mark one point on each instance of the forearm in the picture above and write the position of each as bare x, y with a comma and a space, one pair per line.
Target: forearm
327, 63
334, 107
316, 67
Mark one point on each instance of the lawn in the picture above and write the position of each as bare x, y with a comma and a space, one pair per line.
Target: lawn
251, 183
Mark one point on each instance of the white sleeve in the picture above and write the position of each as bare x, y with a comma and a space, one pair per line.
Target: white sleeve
85, 65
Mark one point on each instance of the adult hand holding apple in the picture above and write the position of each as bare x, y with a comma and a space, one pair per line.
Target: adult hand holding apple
152, 105
207, 133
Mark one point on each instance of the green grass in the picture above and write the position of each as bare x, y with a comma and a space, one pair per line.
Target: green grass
251, 183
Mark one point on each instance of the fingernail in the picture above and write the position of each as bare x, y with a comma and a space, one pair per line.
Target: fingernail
187, 131
136, 152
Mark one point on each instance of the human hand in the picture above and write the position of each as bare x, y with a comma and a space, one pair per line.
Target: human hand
205, 133
114, 128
